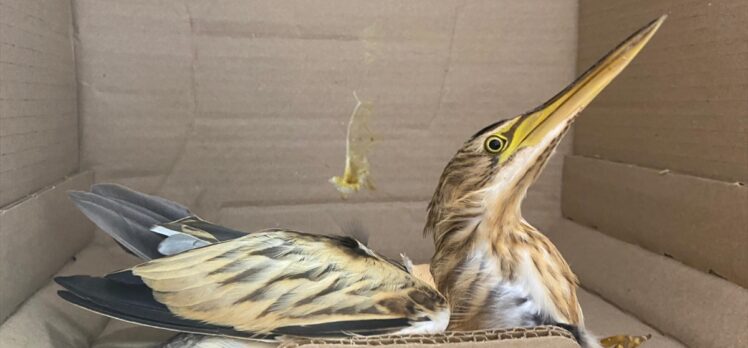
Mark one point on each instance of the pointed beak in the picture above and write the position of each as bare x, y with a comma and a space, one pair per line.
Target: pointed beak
554, 116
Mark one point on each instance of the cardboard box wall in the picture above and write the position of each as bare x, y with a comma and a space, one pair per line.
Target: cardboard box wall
661, 161
239, 110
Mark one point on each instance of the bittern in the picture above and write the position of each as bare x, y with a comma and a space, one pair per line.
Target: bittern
496, 269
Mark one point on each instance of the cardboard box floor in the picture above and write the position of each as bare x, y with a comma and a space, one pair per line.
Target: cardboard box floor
239, 109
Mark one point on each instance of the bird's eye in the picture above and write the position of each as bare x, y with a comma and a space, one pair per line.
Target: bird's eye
495, 143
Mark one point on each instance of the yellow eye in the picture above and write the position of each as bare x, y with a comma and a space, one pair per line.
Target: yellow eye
495, 144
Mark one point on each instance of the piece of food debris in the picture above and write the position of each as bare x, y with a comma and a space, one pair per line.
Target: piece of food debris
358, 142
623, 341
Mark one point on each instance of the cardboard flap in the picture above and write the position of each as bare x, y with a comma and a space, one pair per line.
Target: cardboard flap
37, 236
696, 308
700, 222
47, 321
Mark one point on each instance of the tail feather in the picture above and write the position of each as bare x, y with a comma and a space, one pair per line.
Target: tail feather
152, 227
169, 210
127, 216
129, 231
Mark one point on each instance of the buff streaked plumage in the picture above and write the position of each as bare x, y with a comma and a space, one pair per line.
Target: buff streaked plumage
265, 284
281, 278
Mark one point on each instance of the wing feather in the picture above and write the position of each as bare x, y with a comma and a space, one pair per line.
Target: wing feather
268, 283
273, 279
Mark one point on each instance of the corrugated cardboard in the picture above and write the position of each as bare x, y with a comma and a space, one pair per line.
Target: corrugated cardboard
38, 115
541, 336
701, 222
224, 103
698, 309
682, 104
541, 342
37, 236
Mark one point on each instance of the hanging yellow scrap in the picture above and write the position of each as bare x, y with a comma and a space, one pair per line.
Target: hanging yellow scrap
358, 142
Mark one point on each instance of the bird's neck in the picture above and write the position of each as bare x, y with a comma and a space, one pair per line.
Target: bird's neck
494, 230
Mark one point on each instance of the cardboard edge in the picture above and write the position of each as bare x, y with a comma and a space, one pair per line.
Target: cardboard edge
25, 230
46, 320
692, 219
494, 338
699, 309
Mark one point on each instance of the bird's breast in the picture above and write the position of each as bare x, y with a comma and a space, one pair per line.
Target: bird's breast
482, 296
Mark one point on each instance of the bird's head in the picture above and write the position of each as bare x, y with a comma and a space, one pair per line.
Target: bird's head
488, 177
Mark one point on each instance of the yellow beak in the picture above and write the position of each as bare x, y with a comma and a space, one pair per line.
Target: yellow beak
534, 126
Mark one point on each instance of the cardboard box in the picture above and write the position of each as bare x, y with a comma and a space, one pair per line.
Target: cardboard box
239, 110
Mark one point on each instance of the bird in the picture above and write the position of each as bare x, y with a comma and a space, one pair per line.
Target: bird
203, 278
495, 269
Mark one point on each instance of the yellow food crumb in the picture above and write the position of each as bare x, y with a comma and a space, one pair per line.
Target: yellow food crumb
624, 341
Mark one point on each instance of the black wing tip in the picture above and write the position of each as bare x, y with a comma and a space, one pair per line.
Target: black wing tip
70, 282
70, 297
125, 277
163, 320
76, 292
78, 283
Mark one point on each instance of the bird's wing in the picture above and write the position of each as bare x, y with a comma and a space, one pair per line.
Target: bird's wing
271, 282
